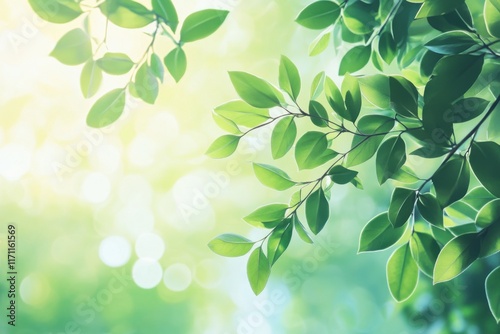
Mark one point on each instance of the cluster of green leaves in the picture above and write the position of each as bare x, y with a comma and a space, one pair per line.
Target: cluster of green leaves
446, 92
79, 46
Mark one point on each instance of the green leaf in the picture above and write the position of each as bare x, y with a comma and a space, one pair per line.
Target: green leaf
230, 245
451, 181
452, 77
319, 44
379, 234
403, 96
258, 270
146, 84
90, 79
256, 91
223, 146
107, 109
312, 150
363, 148
456, 256
201, 24
242, 113
489, 214
268, 216
317, 85
166, 10
289, 77
390, 158
317, 211
458, 19
428, 62
358, 18
226, 124
341, 175
435, 8
278, 241
377, 61
301, 231
56, 11
157, 66
425, 251
334, 98
272, 177
430, 209
452, 42
352, 97
319, 115
357, 183
490, 240
492, 17
405, 175
319, 15
283, 137
465, 109
401, 206
387, 47
430, 151
375, 89
435, 123
176, 63
115, 63
493, 293
74, 48
355, 59
402, 274
484, 160
127, 13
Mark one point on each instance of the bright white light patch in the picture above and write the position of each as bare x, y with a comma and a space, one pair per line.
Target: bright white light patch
115, 251
146, 273
149, 246
96, 188
177, 277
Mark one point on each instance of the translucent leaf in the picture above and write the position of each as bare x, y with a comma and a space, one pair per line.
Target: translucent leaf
107, 109
319, 115
489, 214
127, 13
166, 10
115, 63
223, 146
425, 251
402, 274
231, 245
268, 216
242, 113
258, 270
317, 211
451, 181
255, 91
90, 79
201, 24
74, 48
56, 11
176, 63
355, 59
379, 234
289, 77
283, 137
279, 240
319, 15
493, 293
319, 44
146, 84
272, 177
312, 150
456, 256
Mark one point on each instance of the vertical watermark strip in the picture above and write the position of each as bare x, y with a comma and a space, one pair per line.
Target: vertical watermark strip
11, 273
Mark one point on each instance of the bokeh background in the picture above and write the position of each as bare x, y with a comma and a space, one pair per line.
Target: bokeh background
113, 224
